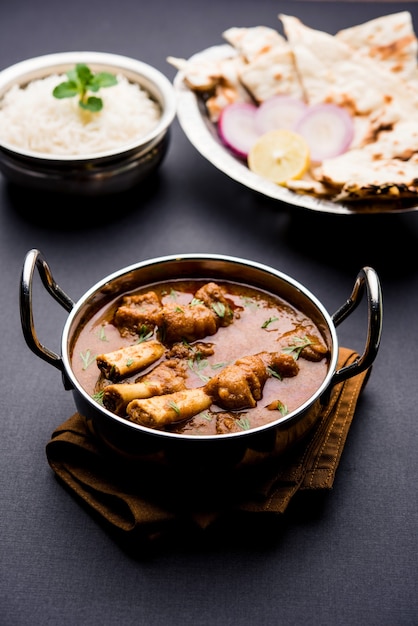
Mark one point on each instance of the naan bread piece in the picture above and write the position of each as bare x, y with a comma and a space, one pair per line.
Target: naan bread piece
270, 69
389, 40
384, 169
331, 71
400, 142
311, 187
217, 75
229, 88
273, 73
224, 94
204, 73
201, 75
359, 176
253, 41
389, 192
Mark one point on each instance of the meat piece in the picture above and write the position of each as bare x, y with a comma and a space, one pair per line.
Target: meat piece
142, 313
199, 349
139, 313
283, 364
161, 411
240, 385
214, 297
278, 405
303, 344
167, 377
129, 360
187, 322
316, 350
227, 423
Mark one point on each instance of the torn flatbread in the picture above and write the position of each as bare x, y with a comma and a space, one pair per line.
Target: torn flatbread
251, 42
356, 174
386, 167
400, 142
272, 74
389, 40
218, 77
331, 71
204, 74
310, 186
270, 65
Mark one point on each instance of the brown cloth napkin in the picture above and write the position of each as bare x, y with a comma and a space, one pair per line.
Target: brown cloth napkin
136, 499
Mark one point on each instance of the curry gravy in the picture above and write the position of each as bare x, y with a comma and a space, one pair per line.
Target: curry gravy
262, 323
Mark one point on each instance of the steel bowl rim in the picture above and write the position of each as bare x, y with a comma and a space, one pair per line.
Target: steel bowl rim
280, 422
18, 72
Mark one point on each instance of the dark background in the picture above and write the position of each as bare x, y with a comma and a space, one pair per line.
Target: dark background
348, 557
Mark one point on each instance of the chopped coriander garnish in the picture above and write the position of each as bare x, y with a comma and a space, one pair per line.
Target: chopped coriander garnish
273, 373
219, 309
196, 301
101, 334
144, 334
296, 348
282, 408
249, 302
87, 359
269, 321
244, 423
198, 364
175, 407
217, 366
98, 396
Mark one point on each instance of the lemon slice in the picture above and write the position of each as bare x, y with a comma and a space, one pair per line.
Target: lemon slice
279, 155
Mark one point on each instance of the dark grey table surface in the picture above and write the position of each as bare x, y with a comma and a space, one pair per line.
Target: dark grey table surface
347, 558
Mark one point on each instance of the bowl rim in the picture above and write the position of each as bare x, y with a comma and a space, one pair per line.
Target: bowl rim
233, 261
149, 78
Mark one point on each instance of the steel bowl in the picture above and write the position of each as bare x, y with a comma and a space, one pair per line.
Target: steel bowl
98, 173
135, 441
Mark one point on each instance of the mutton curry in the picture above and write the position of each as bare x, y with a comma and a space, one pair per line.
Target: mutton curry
199, 357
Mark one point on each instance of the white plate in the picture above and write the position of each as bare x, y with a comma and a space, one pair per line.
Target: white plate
202, 133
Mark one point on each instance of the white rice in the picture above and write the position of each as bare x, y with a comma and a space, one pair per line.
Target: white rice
31, 118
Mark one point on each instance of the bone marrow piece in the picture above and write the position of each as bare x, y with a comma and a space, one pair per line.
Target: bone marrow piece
167, 377
160, 411
129, 360
201, 357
